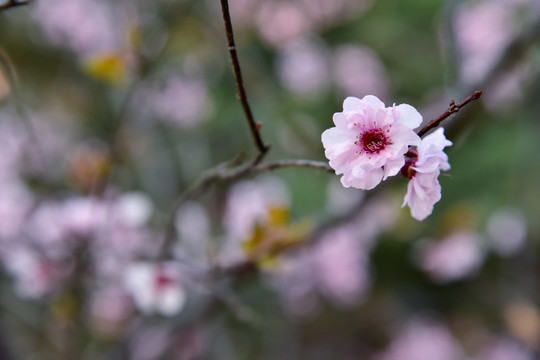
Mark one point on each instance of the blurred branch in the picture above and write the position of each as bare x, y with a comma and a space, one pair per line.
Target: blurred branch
224, 172
116, 140
513, 52
9, 71
12, 3
453, 108
253, 126
509, 58
294, 163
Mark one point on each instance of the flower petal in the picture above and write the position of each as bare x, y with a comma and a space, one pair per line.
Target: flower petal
408, 115
374, 102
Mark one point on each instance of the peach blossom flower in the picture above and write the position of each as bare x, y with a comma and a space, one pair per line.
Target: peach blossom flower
424, 189
369, 141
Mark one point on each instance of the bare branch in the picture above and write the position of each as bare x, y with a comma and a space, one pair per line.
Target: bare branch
12, 3
253, 126
294, 163
223, 172
452, 109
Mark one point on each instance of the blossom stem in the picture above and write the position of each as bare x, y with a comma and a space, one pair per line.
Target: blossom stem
453, 108
13, 3
253, 126
294, 163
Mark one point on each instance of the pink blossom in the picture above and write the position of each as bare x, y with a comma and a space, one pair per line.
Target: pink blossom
483, 29
302, 67
180, 100
88, 27
281, 21
35, 275
369, 141
423, 339
357, 70
249, 203
155, 288
507, 229
502, 348
455, 257
341, 265
110, 305
423, 170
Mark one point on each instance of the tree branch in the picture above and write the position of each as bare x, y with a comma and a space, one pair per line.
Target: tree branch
12, 3
253, 126
452, 109
294, 163
223, 172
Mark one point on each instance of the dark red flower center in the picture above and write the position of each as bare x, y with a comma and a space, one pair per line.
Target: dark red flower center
162, 280
373, 141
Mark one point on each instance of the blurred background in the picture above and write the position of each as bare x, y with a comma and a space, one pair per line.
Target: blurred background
110, 110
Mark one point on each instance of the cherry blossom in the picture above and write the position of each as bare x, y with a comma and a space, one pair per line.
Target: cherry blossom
369, 141
423, 338
455, 257
423, 169
507, 230
249, 203
155, 288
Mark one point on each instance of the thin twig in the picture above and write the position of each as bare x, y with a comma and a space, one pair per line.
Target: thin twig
253, 126
223, 172
452, 109
13, 3
294, 163
31, 132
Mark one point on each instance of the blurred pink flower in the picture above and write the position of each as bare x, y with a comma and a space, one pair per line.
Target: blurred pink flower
338, 266
181, 101
16, 203
242, 11
341, 266
279, 21
452, 258
357, 71
505, 349
86, 26
423, 339
249, 203
302, 67
329, 11
369, 141
82, 216
424, 190
35, 274
110, 305
483, 28
507, 229
155, 288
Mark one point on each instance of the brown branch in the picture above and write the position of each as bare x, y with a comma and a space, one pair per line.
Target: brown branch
452, 109
223, 172
13, 3
294, 163
253, 126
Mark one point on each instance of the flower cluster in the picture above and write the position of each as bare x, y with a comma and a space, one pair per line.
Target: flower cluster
371, 142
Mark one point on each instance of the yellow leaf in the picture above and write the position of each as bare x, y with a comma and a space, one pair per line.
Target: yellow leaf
279, 215
110, 68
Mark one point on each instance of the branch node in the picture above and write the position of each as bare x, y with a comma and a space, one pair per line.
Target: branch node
453, 108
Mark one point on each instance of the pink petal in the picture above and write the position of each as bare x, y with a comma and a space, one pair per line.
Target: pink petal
374, 102
408, 115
